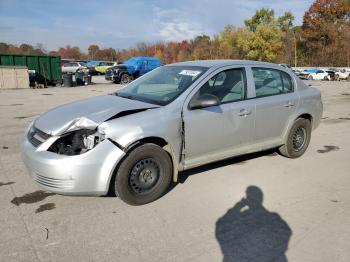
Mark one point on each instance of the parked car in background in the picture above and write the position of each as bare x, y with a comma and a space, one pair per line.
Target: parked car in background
331, 73
342, 74
304, 74
176, 117
72, 67
318, 74
64, 61
297, 72
103, 66
131, 69
91, 66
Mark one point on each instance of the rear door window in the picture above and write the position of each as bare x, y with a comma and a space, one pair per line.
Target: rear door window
271, 82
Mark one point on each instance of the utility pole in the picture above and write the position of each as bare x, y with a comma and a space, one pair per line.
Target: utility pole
295, 50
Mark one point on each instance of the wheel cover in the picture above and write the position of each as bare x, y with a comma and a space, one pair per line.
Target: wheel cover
299, 138
144, 176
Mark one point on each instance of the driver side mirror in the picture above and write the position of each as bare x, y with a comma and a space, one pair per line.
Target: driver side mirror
204, 101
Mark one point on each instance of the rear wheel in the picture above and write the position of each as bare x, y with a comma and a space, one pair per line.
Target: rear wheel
298, 139
325, 78
310, 77
144, 175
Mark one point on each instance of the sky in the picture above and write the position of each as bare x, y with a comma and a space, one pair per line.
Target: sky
124, 23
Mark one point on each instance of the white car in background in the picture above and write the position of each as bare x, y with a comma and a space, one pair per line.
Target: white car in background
319, 74
343, 74
72, 67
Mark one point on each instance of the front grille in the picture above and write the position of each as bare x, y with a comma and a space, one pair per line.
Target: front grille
36, 137
54, 183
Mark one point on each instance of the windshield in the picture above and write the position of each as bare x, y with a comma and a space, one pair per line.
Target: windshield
162, 85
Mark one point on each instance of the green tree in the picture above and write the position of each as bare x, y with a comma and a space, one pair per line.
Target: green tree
285, 22
262, 16
289, 48
263, 45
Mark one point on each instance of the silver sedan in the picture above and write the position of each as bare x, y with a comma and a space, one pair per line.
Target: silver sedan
179, 116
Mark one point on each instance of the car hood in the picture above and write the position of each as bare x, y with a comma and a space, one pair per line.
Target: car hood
87, 114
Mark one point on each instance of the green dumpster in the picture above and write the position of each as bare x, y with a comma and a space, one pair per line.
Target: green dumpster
47, 68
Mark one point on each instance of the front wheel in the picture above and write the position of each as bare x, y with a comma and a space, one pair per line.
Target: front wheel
310, 78
298, 139
144, 175
125, 79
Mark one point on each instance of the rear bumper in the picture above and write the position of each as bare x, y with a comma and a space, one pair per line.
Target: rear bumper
86, 174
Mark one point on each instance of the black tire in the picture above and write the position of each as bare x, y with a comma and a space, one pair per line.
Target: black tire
295, 146
144, 175
325, 78
125, 79
310, 78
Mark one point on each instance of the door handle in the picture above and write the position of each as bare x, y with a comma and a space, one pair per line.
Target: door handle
289, 104
244, 112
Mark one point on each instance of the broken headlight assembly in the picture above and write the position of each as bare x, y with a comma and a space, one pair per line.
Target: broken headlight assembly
76, 142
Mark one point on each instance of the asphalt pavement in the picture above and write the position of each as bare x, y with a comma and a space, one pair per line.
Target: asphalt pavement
259, 207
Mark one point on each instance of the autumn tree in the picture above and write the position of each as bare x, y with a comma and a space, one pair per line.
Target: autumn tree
92, 51
226, 43
326, 32
72, 52
201, 47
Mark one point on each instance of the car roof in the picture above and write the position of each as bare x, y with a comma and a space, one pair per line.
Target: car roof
145, 58
224, 62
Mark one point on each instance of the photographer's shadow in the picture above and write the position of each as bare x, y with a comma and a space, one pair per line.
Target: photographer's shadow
249, 232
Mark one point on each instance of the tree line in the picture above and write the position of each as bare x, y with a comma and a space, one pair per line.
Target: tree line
322, 40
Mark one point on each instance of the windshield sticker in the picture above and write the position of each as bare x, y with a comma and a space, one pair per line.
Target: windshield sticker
189, 73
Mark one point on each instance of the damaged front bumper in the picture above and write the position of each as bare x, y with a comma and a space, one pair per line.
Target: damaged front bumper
85, 174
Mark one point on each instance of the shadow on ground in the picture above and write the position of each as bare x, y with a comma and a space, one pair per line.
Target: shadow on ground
240, 160
31, 198
45, 207
249, 232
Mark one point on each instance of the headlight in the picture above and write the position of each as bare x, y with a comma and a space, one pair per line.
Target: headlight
77, 142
